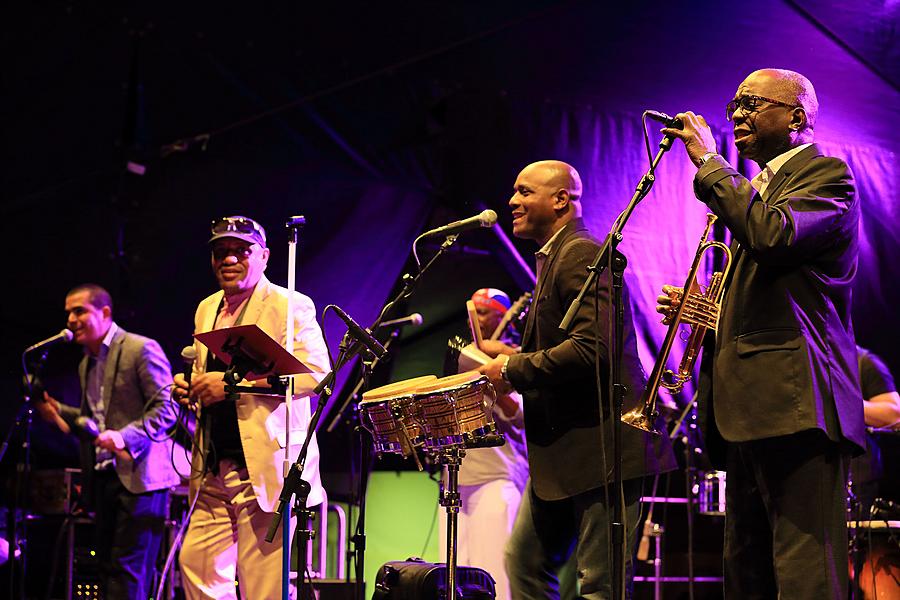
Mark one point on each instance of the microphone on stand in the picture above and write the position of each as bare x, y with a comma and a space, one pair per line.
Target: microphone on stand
661, 117
485, 218
413, 320
63, 336
363, 336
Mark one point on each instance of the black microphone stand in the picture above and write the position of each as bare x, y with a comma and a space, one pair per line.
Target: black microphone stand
293, 482
610, 258
23, 422
361, 382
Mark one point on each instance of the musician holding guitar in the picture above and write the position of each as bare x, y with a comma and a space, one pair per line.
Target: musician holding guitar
491, 480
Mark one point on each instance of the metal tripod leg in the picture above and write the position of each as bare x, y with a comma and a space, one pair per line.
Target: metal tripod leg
450, 500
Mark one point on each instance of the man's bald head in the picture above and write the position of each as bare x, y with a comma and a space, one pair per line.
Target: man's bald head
547, 196
558, 174
793, 88
782, 118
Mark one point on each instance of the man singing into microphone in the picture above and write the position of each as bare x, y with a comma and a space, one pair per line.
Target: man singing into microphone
784, 387
564, 507
239, 465
127, 470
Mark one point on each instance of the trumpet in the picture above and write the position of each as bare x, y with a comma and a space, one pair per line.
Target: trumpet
699, 309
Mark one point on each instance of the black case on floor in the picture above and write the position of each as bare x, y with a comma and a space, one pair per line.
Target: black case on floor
415, 579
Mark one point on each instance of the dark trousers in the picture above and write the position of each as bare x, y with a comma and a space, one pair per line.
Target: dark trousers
786, 529
547, 532
129, 530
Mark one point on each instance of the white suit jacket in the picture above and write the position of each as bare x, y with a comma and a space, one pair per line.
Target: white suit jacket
262, 419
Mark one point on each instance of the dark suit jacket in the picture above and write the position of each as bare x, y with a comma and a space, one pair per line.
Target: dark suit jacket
136, 371
555, 373
785, 358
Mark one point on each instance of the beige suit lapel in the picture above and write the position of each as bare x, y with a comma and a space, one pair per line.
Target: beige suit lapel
205, 322
256, 303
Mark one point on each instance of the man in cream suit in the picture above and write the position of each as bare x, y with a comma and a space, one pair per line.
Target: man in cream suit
238, 464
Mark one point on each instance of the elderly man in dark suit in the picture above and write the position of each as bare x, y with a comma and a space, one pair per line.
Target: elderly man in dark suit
785, 395
125, 381
564, 508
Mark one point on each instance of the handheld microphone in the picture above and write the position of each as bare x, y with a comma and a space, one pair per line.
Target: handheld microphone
188, 355
661, 117
414, 320
86, 428
485, 218
63, 336
363, 336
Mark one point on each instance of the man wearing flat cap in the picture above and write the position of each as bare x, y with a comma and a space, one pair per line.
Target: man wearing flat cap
239, 449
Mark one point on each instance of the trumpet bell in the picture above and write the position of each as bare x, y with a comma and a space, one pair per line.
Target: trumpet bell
638, 418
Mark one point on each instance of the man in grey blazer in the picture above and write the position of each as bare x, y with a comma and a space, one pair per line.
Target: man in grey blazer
564, 508
127, 468
784, 385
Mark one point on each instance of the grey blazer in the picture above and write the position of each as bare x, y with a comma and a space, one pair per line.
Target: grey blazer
136, 372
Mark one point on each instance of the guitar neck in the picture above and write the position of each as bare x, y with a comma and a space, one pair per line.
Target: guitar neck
514, 312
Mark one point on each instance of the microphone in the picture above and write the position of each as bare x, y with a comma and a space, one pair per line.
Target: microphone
86, 428
485, 218
661, 117
414, 319
63, 336
363, 336
188, 355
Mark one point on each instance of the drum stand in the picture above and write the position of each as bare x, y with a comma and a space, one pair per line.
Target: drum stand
449, 498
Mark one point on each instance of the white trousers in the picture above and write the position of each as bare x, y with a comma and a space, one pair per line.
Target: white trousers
226, 540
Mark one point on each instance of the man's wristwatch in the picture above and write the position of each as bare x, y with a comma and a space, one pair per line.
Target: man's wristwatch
503, 375
705, 158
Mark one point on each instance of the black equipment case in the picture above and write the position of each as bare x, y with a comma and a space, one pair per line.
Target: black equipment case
415, 579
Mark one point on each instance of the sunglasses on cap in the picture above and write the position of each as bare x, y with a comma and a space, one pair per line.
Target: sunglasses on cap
239, 227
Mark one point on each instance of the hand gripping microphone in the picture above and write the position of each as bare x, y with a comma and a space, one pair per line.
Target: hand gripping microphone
86, 428
188, 355
661, 117
485, 218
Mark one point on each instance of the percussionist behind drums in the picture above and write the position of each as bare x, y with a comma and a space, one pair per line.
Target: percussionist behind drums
491, 480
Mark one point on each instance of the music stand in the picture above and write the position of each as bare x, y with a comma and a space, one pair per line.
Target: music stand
250, 353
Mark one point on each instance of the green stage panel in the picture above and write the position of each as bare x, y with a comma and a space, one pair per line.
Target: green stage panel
401, 520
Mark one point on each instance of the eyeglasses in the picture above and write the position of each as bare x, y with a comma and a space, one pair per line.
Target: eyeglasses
750, 104
240, 252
